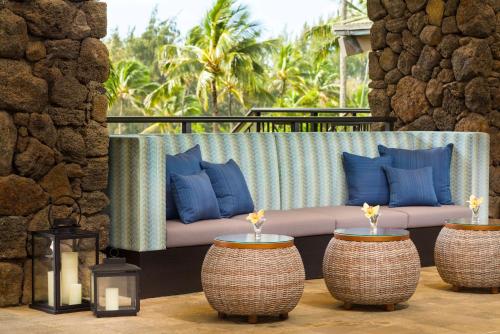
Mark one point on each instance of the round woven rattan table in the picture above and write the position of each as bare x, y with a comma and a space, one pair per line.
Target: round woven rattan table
467, 254
248, 277
371, 267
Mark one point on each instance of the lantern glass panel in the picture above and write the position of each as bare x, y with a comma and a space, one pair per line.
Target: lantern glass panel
43, 270
116, 293
76, 256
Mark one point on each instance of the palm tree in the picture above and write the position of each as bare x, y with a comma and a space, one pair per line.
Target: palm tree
223, 48
126, 86
287, 71
327, 41
321, 89
169, 99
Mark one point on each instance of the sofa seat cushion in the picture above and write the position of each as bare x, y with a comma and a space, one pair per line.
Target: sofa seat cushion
425, 216
202, 232
295, 223
352, 216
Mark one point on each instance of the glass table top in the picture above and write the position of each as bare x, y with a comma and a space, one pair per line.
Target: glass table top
368, 232
469, 222
249, 238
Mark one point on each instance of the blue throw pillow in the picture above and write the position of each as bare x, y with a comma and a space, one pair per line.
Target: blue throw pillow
230, 188
194, 197
438, 158
410, 187
186, 163
366, 180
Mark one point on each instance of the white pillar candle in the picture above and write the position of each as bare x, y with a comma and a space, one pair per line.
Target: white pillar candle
112, 299
69, 274
75, 294
50, 288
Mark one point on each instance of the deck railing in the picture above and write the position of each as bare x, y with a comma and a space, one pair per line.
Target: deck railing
275, 120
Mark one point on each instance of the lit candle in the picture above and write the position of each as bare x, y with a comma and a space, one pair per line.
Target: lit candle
50, 288
69, 274
112, 299
75, 294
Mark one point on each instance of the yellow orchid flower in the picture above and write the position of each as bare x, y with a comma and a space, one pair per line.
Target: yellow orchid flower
370, 211
474, 202
255, 217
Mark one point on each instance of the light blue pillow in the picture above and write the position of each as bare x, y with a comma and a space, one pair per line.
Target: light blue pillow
366, 180
230, 188
194, 197
186, 163
438, 158
411, 187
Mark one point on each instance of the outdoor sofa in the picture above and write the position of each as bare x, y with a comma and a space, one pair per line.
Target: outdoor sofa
297, 177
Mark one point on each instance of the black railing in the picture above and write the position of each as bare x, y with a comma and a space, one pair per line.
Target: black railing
336, 113
255, 121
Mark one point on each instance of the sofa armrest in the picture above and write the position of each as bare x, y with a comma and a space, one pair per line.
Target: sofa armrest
137, 193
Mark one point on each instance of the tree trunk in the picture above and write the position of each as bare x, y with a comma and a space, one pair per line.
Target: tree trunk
215, 106
231, 125
121, 114
283, 91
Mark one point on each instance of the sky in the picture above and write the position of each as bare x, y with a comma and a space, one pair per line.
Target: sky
274, 15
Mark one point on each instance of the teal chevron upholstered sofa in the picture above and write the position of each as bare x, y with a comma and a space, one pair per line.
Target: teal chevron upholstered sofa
297, 177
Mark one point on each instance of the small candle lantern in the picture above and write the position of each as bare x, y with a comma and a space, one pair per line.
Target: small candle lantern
115, 288
59, 283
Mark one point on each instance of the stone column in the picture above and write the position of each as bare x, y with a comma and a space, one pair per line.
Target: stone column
435, 65
53, 133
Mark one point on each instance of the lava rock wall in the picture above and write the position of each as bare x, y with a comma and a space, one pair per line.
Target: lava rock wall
435, 66
53, 134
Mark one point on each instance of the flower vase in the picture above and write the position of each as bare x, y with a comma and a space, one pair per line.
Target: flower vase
257, 228
475, 216
373, 223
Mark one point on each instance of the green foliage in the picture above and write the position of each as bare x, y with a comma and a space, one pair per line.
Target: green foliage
221, 57
223, 67
145, 47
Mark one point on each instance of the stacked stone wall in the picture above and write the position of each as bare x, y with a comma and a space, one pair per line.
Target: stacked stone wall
53, 135
435, 65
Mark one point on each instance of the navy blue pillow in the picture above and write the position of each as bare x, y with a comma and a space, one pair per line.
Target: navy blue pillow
411, 187
366, 180
230, 188
186, 163
438, 158
194, 197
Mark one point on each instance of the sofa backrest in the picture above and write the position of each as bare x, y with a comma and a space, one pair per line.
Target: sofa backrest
311, 171
254, 153
138, 175
283, 171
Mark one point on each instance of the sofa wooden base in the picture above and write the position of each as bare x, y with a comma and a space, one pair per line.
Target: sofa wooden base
177, 270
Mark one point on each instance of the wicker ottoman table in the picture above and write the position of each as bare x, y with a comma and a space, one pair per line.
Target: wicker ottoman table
367, 267
468, 255
248, 277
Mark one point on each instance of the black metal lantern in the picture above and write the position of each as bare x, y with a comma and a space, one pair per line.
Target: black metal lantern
60, 284
115, 288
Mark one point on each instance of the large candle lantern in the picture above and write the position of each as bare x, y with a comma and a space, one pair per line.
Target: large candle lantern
59, 282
